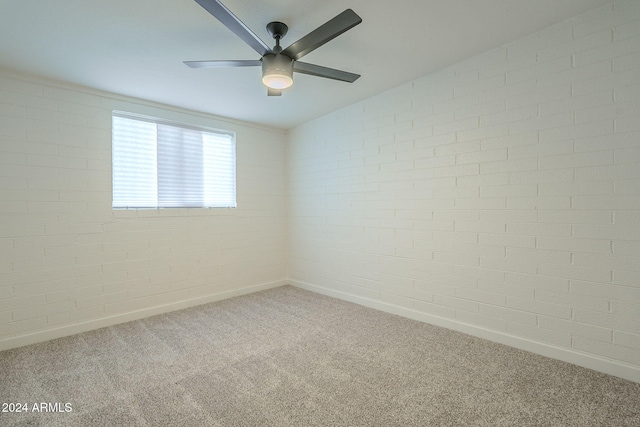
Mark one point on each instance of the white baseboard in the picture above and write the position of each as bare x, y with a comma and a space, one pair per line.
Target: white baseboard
77, 328
611, 367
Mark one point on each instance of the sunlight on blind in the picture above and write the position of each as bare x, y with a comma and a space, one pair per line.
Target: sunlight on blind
220, 178
135, 174
160, 165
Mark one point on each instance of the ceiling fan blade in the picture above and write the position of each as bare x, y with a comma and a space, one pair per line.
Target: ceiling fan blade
329, 73
274, 92
224, 15
223, 63
324, 33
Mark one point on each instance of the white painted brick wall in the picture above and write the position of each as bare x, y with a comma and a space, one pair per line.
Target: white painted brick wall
510, 186
67, 257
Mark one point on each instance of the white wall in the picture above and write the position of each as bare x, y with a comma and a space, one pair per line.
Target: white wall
499, 196
68, 262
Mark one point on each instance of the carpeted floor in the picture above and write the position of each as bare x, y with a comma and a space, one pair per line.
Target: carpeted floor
289, 357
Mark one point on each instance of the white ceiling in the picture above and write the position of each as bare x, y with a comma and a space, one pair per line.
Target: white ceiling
136, 47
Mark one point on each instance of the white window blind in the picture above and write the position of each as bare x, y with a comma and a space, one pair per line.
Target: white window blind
157, 164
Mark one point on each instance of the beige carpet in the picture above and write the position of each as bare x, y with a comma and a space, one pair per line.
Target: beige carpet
288, 357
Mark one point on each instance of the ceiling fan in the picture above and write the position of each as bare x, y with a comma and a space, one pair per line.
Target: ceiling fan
279, 64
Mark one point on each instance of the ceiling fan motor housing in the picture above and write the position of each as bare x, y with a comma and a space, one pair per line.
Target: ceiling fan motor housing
277, 70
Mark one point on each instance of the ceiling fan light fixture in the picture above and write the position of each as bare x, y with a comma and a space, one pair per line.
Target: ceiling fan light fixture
277, 71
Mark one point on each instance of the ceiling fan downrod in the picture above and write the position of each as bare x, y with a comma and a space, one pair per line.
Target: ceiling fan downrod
277, 30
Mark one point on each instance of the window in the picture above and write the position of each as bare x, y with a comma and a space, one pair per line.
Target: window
157, 164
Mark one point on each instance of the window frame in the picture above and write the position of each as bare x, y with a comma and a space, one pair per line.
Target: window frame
185, 126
